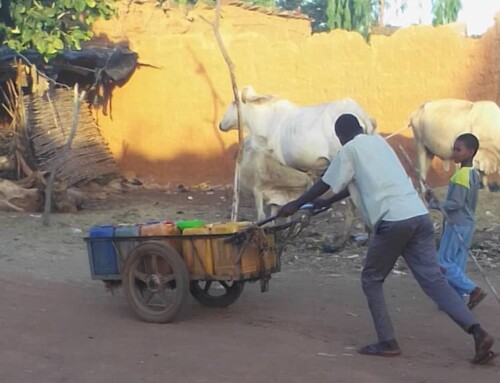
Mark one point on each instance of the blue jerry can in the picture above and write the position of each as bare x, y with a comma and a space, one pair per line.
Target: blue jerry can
124, 247
102, 253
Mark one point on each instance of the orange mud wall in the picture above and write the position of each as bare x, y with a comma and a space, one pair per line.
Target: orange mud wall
164, 120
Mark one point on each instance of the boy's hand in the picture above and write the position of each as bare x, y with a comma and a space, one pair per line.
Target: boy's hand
429, 196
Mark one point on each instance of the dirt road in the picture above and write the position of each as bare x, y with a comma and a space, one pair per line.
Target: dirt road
56, 325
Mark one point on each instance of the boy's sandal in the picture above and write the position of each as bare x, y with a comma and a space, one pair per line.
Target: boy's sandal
476, 299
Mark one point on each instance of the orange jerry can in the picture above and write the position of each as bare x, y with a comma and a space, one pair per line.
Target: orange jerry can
152, 229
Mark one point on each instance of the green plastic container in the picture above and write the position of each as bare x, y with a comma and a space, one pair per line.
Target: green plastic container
190, 224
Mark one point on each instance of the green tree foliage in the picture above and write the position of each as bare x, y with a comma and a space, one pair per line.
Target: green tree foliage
264, 3
50, 25
359, 15
352, 15
315, 9
445, 11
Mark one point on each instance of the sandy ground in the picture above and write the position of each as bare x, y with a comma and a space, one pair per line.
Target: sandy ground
57, 325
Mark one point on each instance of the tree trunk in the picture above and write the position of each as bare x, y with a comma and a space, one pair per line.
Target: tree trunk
381, 11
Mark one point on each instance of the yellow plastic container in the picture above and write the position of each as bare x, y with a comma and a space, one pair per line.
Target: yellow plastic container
197, 252
225, 253
269, 258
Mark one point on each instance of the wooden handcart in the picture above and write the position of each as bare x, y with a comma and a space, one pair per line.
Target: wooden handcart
157, 273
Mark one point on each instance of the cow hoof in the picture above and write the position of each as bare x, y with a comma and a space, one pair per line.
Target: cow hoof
494, 187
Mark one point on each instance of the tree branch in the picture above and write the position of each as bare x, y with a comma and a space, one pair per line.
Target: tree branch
62, 157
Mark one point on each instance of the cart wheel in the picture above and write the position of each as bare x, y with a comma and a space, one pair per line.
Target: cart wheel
155, 282
216, 293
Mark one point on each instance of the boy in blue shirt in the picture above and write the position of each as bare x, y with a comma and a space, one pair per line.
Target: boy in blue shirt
459, 208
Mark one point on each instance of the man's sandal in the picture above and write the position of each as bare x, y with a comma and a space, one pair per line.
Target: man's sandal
389, 348
485, 359
483, 350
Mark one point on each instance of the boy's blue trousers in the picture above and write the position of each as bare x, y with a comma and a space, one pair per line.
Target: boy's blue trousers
453, 256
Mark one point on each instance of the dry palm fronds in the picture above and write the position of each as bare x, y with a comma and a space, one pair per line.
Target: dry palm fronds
49, 121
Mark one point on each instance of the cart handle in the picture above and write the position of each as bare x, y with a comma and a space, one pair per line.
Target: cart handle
306, 207
297, 224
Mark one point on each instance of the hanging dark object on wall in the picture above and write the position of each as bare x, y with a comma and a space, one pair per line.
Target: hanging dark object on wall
97, 69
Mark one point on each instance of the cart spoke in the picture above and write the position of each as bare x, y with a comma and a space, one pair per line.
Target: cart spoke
163, 297
154, 264
207, 286
141, 276
164, 279
224, 284
147, 295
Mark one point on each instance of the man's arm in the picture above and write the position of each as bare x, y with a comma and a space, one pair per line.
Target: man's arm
338, 175
317, 190
321, 203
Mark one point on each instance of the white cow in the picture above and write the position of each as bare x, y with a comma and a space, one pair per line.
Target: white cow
299, 137
271, 183
437, 123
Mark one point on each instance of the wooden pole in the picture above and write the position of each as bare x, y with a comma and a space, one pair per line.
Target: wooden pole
62, 157
230, 65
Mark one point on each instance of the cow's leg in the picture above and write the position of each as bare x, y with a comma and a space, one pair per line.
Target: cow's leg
317, 169
348, 222
273, 210
424, 158
493, 187
483, 180
235, 208
369, 232
485, 183
7, 206
259, 203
